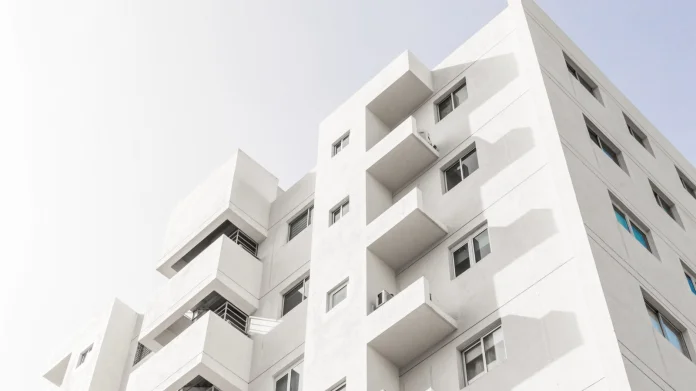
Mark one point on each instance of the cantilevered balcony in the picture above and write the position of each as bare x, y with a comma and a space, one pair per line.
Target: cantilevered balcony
408, 324
401, 155
399, 89
225, 268
403, 231
211, 348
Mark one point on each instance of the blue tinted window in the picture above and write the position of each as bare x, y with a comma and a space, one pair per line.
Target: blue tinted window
640, 236
621, 218
691, 284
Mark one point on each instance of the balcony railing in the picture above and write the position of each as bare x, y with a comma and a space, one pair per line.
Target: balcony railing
244, 241
141, 352
228, 312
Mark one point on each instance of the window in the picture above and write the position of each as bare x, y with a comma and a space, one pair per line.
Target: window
83, 355
637, 134
340, 387
296, 295
290, 380
341, 144
461, 169
600, 141
668, 330
664, 203
687, 184
302, 221
484, 355
691, 280
339, 211
471, 250
451, 101
337, 295
632, 227
581, 77
140, 353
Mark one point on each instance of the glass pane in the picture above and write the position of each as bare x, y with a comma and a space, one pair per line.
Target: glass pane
294, 381
473, 362
640, 236
469, 163
572, 71
339, 295
453, 176
610, 152
346, 141
482, 246
459, 95
674, 336
461, 260
691, 284
336, 215
337, 148
586, 84
494, 346
445, 107
345, 208
654, 319
282, 384
593, 137
306, 288
621, 218
293, 298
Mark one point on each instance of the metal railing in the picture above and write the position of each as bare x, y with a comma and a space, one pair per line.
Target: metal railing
244, 241
141, 352
233, 316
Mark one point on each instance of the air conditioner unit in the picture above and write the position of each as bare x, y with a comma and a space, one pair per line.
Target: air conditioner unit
382, 297
426, 136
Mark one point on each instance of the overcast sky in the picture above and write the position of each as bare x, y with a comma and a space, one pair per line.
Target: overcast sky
112, 111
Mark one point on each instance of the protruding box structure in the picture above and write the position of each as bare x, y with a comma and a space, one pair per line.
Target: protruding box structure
403, 231
408, 324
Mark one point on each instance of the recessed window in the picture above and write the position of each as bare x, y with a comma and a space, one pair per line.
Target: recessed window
83, 356
637, 134
687, 184
632, 226
451, 101
672, 333
339, 211
690, 280
341, 144
296, 295
579, 75
470, 251
664, 203
603, 143
484, 355
340, 387
140, 353
301, 222
337, 295
461, 169
290, 379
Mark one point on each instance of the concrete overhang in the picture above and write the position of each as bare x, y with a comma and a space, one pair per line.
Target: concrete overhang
400, 156
57, 373
403, 231
408, 325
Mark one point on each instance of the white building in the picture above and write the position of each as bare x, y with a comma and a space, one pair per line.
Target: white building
505, 221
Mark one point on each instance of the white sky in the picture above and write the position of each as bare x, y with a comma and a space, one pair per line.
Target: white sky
112, 111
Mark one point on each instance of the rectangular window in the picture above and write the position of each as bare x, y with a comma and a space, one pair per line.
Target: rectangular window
341, 144
140, 353
603, 143
339, 211
302, 221
461, 169
451, 101
290, 379
687, 184
637, 134
484, 355
83, 356
691, 281
296, 295
631, 225
668, 330
470, 251
581, 77
337, 295
664, 203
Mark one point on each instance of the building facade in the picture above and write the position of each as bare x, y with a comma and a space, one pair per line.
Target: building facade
505, 221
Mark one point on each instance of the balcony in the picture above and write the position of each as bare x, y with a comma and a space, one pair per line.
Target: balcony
403, 231
408, 325
210, 348
399, 89
401, 155
225, 268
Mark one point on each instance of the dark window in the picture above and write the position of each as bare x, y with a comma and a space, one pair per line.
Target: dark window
451, 101
341, 144
83, 355
581, 77
296, 295
339, 211
602, 143
470, 251
687, 184
464, 167
300, 223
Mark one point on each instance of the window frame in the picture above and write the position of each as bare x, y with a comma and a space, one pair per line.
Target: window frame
288, 372
82, 358
304, 282
343, 208
480, 342
632, 225
330, 304
339, 387
604, 144
468, 240
341, 144
449, 96
310, 215
686, 183
664, 322
638, 134
583, 78
458, 162
691, 281
665, 203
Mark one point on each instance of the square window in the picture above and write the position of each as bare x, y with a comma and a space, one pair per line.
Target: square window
339, 211
672, 333
476, 247
296, 295
83, 356
483, 355
461, 169
337, 295
301, 222
341, 144
451, 100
